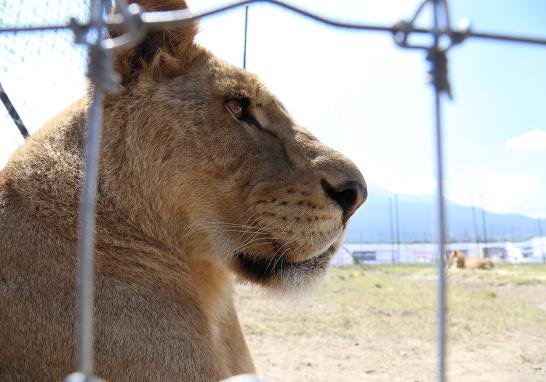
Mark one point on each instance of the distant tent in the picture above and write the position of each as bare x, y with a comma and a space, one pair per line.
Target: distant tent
343, 257
530, 251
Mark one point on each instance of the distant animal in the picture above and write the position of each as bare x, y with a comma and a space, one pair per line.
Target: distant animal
203, 174
463, 261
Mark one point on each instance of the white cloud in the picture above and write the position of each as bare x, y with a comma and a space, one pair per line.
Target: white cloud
398, 182
531, 141
501, 192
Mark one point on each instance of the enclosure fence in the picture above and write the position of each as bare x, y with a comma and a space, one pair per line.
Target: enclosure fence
135, 22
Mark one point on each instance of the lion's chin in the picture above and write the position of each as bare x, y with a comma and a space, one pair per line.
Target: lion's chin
282, 274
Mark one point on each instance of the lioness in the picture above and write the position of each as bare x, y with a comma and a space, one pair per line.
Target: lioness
203, 174
463, 261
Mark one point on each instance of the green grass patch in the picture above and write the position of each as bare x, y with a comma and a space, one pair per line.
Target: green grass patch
400, 301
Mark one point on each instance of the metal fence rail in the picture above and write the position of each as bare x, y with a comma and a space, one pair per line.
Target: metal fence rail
134, 23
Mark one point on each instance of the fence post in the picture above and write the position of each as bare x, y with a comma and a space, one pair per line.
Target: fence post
102, 78
440, 82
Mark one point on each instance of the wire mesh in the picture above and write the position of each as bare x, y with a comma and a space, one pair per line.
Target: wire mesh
34, 63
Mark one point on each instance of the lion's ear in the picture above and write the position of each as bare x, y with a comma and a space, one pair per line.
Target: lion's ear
162, 53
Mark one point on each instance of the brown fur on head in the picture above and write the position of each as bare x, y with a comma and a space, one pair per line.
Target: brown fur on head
162, 54
255, 187
459, 257
203, 172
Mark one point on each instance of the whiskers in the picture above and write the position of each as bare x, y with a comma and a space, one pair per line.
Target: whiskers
264, 248
224, 234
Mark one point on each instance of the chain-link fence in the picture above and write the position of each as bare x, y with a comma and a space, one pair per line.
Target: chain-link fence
34, 63
33, 39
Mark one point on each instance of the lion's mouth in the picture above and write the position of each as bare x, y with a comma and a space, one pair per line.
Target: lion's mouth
262, 269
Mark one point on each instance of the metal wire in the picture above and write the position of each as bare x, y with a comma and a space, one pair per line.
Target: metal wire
174, 18
25, 55
87, 239
13, 113
245, 41
97, 72
441, 84
441, 219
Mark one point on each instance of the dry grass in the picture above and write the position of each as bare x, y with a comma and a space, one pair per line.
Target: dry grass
380, 323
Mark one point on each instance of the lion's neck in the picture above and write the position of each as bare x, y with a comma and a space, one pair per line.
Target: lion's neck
43, 182
45, 177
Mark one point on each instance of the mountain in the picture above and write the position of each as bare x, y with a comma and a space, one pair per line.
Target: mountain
417, 216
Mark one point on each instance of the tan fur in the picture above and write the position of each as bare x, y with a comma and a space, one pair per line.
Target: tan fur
187, 194
463, 261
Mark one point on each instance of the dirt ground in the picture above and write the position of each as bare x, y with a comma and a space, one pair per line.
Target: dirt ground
378, 325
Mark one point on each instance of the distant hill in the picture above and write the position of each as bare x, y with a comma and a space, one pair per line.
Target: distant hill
417, 221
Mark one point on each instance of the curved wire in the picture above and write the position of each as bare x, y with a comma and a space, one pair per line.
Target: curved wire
179, 17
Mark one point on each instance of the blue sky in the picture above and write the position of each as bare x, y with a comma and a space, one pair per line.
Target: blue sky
366, 97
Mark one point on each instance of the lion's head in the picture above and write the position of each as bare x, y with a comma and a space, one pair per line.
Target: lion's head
213, 156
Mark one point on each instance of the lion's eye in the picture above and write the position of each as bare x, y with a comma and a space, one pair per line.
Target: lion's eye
238, 107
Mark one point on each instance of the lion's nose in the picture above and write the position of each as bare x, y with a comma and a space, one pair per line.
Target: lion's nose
349, 196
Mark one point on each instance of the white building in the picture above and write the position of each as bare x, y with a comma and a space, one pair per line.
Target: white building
343, 257
534, 250
530, 251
